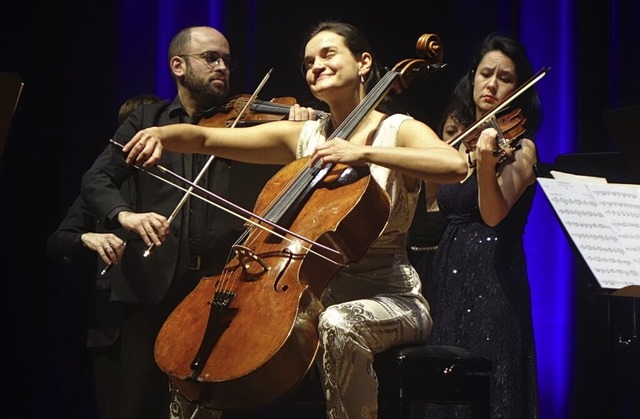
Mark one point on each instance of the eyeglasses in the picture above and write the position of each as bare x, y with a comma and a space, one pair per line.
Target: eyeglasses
213, 59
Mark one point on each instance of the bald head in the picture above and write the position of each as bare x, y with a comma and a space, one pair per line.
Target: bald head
187, 40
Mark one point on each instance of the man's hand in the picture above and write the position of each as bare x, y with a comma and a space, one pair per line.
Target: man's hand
152, 227
109, 246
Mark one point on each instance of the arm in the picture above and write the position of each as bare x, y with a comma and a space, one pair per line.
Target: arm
101, 191
272, 143
498, 193
74, 238
420, 154
107, 245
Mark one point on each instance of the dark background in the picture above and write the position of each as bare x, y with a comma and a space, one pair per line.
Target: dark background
80, 60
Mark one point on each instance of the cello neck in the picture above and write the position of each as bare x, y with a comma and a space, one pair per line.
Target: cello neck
369, 103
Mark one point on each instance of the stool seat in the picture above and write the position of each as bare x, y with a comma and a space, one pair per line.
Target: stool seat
433, 374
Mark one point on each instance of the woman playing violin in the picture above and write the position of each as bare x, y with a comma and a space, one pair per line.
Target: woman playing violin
478, 285
376, 303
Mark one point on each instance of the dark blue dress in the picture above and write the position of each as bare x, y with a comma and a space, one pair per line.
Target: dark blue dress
480, 299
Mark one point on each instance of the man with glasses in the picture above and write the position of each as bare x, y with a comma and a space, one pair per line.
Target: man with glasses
179, 249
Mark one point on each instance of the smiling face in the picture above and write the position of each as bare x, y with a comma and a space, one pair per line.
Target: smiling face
495, 78
331, 70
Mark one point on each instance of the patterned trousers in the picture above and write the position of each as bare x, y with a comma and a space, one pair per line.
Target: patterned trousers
351, 333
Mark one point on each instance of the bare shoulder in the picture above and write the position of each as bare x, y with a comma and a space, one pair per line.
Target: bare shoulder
415, 133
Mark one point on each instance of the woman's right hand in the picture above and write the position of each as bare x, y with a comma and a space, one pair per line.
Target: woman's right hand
145, 148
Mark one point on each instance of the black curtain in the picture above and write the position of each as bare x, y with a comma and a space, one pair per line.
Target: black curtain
69, 55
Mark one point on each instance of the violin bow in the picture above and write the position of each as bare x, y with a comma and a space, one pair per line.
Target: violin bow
211, 158
189, 192
526, 85
245, 215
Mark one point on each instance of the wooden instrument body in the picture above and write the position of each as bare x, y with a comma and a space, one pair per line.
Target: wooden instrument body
267, 337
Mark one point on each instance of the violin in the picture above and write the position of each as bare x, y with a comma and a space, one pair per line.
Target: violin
258, 111
510, 127
244, 338
241, 111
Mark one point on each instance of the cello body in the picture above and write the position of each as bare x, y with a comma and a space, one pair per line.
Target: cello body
243, 338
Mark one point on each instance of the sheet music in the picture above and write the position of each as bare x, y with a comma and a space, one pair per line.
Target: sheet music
603, 221
579, 178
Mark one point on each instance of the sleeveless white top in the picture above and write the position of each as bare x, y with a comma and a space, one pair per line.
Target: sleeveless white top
385, 268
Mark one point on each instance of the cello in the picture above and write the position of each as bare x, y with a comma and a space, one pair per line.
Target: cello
244, 338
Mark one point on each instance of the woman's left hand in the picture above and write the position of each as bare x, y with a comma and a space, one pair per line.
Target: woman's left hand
487, 147
338, 150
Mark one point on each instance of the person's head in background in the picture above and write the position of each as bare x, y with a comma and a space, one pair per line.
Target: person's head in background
453, 122
498, 68
130, 105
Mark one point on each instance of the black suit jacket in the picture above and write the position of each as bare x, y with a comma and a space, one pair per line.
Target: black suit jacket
146, 280
65, 248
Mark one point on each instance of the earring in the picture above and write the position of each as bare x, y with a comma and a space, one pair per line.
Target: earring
361, 79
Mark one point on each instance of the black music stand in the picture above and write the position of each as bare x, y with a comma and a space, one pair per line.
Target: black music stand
608, 362
10, 88
623, 125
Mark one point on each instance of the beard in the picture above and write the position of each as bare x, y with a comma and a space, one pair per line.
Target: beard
205, 94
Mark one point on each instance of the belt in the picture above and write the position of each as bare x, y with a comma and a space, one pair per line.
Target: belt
195, 262
424, 248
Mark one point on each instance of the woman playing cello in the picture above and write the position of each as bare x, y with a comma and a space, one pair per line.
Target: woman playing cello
377, 303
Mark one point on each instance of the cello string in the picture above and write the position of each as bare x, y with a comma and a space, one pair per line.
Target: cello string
304, 178
307, 174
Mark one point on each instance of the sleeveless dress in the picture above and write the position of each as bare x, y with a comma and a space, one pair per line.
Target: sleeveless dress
374, 304
480, 298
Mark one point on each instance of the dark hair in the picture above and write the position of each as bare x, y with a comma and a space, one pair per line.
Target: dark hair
355, 41
132, 104
457, 110
528, 101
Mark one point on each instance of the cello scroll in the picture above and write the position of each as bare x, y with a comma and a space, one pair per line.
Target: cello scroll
430, 49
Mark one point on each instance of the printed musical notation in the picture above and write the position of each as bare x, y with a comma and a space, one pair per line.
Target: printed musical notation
603, 221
